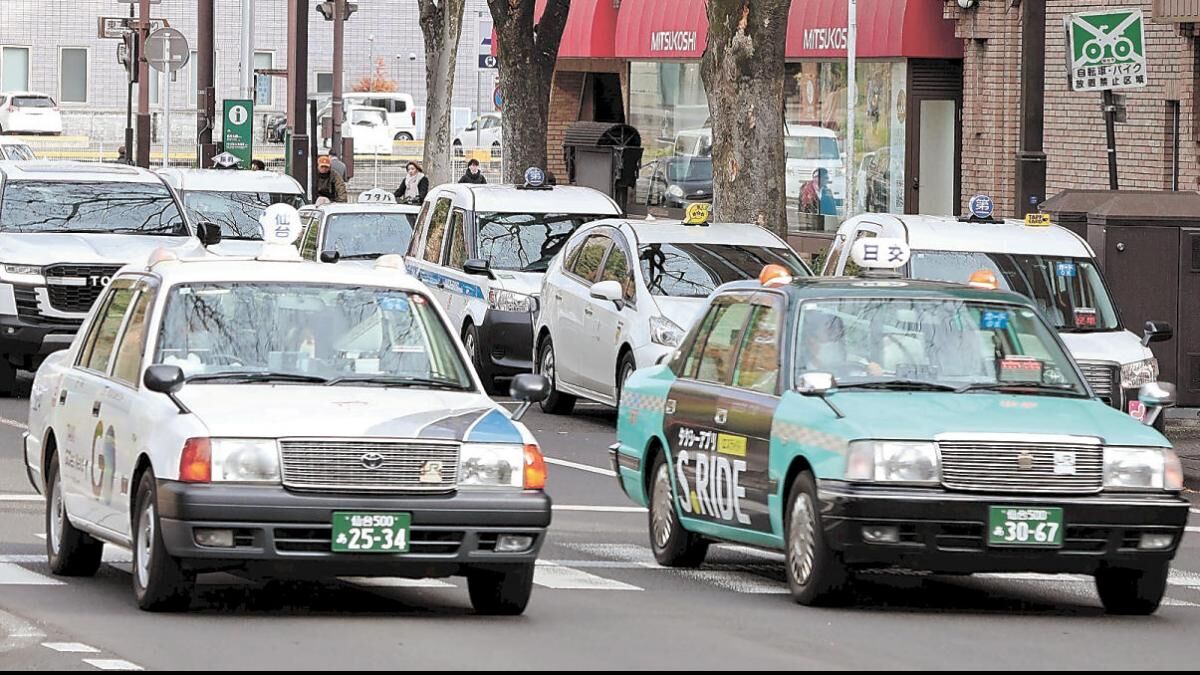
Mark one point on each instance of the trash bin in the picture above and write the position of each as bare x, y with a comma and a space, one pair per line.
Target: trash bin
603, 156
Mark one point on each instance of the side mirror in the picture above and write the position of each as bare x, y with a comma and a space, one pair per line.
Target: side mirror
330, 256
479, 267
819, 385
164, 379
1157, 331
609, 290
1156, 396
528, 389
209, 234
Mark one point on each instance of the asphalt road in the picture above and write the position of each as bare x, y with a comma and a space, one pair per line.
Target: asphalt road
599, 602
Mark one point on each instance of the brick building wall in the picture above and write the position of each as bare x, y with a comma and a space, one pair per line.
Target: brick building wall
566, 93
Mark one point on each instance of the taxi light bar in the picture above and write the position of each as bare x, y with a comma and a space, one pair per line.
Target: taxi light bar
1037, 219
985, 279
880, 253
195, 462
775, 275
535, 468
391, 261
698, 213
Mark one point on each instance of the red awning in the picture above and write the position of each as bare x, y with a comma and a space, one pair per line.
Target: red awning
678, 29
591, 25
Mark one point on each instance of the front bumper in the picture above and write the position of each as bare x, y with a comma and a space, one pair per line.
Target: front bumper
506, 343
25, 341
285, 534
946, 532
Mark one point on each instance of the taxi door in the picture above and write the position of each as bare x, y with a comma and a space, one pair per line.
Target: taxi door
426, 253
455, 300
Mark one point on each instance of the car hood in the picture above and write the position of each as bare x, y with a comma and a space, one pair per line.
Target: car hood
28, 248
238, 247
529, 283
282, 411
1117, 346
923, 415
682, 311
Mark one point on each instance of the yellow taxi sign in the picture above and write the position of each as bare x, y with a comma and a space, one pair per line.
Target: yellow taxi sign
697, 214
1037, 219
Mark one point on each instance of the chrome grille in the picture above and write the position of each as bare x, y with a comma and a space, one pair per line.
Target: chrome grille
996, 466
1102, 376
325, 465
74, 288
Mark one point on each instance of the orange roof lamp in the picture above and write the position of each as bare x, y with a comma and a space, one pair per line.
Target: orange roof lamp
985, 279
775, 275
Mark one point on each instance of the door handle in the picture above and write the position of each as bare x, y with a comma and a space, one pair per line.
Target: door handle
916, 183
96, 409
62, 397
558, 297
588, 311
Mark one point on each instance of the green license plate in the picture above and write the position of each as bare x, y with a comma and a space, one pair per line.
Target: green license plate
1025, 526
370, 532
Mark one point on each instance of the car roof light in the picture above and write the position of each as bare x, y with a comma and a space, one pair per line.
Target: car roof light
985, 279
774, 275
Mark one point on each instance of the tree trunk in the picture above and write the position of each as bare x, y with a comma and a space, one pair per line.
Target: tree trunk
527, 55
441, 24
743, 75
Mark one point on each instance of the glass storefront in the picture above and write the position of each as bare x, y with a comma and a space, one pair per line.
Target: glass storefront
667, 104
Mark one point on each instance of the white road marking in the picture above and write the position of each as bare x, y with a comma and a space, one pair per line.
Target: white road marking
1033, 576
618, 552
1184, 578
40, 535
14, 424
16, 632
773, 556
22, 498
582, 467
12, 574
738, 582
1194, 510
23, 558
549, 575
112, 664
599, 509
71, 647
396, 582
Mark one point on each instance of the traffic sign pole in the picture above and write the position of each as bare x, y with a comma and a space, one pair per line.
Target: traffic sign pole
1110, 130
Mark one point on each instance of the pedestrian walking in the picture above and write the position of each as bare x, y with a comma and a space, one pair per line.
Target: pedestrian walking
414, 187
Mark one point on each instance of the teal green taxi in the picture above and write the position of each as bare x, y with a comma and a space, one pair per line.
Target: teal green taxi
874, 422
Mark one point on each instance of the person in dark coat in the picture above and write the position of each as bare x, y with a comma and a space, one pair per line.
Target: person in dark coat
473, 174
414, 187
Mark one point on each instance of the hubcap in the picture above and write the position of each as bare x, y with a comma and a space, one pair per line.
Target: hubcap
56, 517
145, 543
470, 345
548, 364
801, 531
662, 519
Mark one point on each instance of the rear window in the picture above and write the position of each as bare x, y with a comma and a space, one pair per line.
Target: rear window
32, 102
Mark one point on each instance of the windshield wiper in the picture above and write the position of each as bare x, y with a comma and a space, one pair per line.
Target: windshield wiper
899, 385
257, 376
395, 381
1026, 387
362, 256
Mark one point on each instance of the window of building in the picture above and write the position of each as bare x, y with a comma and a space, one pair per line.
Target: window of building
324, 83
264, 84
14, 69
73, 75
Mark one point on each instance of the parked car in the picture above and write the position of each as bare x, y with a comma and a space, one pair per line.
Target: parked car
675, 182
235, 200
401, 111
484, 132
14, 150
363, 231
27, 112
807, 149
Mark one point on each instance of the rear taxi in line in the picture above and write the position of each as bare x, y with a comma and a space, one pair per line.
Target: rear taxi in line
374, 226
877, 422
278, 418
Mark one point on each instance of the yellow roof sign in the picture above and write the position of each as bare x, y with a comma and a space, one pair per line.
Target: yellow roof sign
697, 214
1037, 219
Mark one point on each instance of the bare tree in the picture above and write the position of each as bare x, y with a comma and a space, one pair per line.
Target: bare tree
527, 54
441, 24
743, 74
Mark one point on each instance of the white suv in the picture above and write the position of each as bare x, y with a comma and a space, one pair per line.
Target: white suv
26, 112
624, 293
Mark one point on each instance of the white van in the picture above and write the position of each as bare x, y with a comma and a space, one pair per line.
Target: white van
1053, 266
400, 109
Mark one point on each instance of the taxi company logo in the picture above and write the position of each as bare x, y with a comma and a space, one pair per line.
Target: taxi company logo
673, 41
372, 460
431, 472
825, 38
1025, 461
96, 280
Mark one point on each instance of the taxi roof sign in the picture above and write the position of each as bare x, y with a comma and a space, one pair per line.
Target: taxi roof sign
880, 253
281, 228
376, 196
981, 207
1037, 219
697, 214
535, 179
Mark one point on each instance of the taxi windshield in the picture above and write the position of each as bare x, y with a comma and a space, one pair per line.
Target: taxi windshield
99, 207
694, 270
1069, 291
237, 331
942, 342
526, 242
236, 212
368, 234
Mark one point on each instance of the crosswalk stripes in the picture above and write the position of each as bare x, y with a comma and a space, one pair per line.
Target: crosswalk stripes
551, 575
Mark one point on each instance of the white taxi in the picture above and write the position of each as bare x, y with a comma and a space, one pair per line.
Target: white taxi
234, 200
625, 292
374, 226
482, 250
278, 418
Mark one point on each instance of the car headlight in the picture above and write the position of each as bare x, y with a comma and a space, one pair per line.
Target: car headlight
893, 462
665, 332
1142, 469
675, 191
30, 274
491, 465
508, 301
253, 460
1134, 375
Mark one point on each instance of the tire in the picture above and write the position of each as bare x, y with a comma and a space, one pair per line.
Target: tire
625, 368
470, 340
71, 553
160, 583
815, 573
8, 379
497, 593
403, 136
673, 546
557, 403
1132, 591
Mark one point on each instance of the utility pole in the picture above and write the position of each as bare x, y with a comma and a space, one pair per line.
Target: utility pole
248, 51
143, 66
133, 57
339, 30
851, 101
205, 89
1031, 159
297, 103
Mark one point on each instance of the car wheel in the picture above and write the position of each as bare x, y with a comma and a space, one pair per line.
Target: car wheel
673, 546
404, 136
625, 368
557, 403
815, 573
160, 583
1132, 591
501, 593
470, 340
71, 553
8, 379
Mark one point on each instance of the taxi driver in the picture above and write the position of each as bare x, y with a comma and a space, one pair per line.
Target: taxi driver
823, 348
